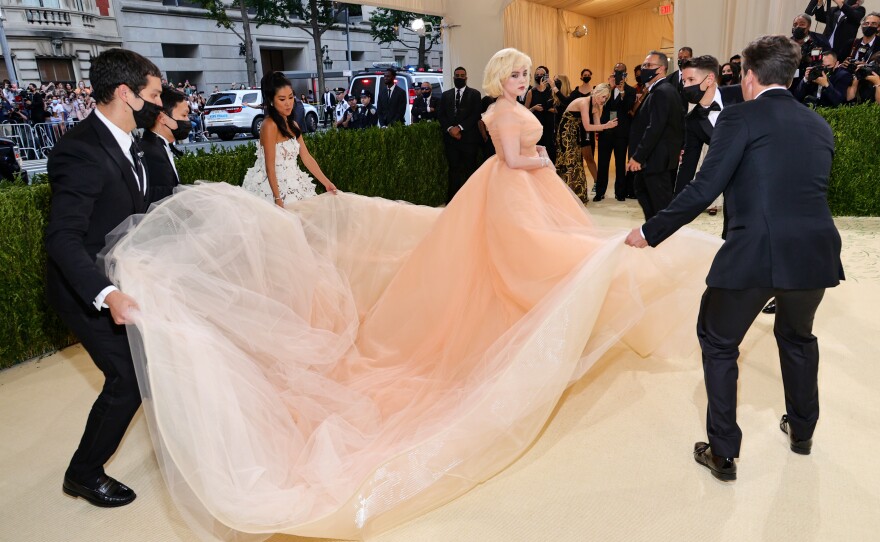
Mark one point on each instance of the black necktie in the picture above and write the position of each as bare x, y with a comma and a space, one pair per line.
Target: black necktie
457, 99
174, 150
136, 155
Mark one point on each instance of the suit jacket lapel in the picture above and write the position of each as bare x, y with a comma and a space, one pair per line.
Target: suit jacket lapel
112, 148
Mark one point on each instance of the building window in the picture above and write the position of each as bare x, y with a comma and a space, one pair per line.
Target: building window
181, 4
53, 70
54, 4
357, 56
179, 50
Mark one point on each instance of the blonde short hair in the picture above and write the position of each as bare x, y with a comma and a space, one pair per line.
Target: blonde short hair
499, 68
601, 90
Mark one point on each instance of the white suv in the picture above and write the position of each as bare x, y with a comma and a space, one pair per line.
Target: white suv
226, 114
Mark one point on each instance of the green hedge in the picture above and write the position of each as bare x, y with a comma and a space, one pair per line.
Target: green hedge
854, 189
405, 163
400, 163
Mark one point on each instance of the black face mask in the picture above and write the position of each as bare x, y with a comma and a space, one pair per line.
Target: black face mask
459, 82
726, 78
182, 130
586, 79
869, 31
681, 62
146, 117
693, 93
798, 32
647, 74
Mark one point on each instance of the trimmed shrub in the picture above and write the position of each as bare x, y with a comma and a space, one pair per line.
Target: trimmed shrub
854, 189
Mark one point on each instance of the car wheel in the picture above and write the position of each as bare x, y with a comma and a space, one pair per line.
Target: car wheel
226, 137
311, 122
255, 127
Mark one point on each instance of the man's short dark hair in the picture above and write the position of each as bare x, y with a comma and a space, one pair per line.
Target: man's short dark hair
459, 68
831, 53
392, 71
116, 67
664, 60
688, 50
170, 98
706, 63
586, 70
773, 59
735, 57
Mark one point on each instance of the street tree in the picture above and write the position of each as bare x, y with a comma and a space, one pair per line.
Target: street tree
387, 25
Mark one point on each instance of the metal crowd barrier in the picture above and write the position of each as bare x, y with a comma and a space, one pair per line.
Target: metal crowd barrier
24, 136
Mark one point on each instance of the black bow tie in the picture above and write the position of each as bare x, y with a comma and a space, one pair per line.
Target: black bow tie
704, 111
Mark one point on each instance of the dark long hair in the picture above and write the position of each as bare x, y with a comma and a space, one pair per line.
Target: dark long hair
270, 84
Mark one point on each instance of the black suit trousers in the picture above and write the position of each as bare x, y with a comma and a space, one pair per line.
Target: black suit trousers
654, 190
725, 316
462, 159
607, 146
107, 344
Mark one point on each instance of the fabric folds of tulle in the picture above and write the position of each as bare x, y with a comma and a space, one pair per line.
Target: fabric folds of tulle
338, 367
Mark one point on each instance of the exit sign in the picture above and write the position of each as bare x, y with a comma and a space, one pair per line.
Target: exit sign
666, 10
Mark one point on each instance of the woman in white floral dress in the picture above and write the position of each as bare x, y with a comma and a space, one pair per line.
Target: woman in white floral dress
276, 176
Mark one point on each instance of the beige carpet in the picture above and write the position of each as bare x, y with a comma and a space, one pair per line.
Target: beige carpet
613, 464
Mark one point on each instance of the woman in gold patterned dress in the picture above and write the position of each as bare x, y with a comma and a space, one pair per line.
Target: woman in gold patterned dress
577, 129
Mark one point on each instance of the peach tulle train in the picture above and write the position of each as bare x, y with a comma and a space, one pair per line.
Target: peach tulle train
341, 366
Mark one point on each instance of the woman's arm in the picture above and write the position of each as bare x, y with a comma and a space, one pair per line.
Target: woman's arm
268, 137
313, 167
528, 102
510, 142
585, 118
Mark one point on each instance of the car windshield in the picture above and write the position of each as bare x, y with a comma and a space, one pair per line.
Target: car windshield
223, 98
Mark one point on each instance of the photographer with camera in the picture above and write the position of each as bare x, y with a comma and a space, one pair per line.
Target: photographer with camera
825, 85
865, 47
811, 43
842, 19
865, 87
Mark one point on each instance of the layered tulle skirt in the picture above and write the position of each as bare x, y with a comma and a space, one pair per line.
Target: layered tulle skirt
338, 367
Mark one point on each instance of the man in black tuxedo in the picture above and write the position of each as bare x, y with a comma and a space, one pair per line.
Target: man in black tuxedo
392, 100
98, 180
329, 105
425, 105
169, 124
842, 19
615, 140
772, 159
829, 88
675, 78
459, 113
701, 88
656, 137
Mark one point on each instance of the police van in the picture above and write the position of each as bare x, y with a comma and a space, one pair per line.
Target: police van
409, 79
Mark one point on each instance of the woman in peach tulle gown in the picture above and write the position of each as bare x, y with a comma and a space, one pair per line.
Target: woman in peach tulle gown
337, 367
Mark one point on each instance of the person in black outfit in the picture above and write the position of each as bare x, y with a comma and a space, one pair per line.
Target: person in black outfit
675, 78
842, 19
425, 105
828, 89
767, 154
811, 43
539, 100
615, 140
655, 152
98, 180
392, 100
487, 147
367, 115
458, 114
167, 124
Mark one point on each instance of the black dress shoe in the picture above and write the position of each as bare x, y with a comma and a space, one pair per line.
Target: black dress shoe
770, 308
802, 447
106, 492
723, 468
598, 198
619, 198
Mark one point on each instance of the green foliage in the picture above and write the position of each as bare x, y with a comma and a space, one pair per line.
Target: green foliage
854, 189
386, 25
28, 327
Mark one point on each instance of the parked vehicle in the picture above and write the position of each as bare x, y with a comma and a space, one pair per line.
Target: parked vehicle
10, 161
409, 80
227, 115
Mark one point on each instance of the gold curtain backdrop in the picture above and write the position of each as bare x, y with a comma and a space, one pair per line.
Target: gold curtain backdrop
543, 32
